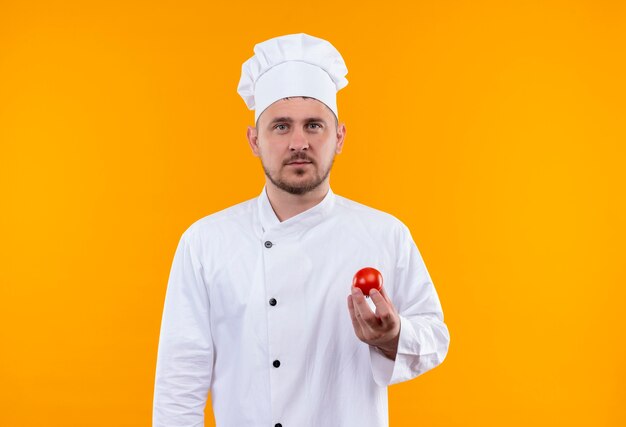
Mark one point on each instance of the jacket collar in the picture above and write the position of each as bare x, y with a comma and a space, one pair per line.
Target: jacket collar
302, 221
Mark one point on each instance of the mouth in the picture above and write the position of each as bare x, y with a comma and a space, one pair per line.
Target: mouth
298, 163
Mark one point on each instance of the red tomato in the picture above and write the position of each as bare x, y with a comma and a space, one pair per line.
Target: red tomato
368, 278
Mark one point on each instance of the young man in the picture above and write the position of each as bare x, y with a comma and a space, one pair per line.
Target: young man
259, 308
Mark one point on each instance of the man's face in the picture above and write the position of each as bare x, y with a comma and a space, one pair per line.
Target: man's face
297, 140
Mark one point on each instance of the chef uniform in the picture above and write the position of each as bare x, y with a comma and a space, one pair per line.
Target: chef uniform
255, 310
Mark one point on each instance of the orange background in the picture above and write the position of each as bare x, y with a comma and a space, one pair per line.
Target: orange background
493, 129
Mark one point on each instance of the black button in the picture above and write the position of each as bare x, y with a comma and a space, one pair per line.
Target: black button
272, 301
268, 244
278, 425
276, 363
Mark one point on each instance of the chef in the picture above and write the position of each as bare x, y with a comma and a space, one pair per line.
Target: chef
260, 312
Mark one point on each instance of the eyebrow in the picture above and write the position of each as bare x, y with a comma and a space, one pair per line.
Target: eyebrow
290, 120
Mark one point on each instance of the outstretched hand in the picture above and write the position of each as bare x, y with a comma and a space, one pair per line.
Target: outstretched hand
381, 328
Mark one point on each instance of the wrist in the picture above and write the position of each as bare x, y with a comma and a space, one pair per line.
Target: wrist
389, 354
390, 348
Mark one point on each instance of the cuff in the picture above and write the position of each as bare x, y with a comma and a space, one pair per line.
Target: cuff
384, 369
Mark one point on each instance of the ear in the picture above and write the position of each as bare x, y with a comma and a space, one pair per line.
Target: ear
253, 140
341, 135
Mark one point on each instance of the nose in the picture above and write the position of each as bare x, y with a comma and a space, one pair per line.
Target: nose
298, 140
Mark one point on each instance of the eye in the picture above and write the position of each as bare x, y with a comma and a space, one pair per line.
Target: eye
281, 126
314, 125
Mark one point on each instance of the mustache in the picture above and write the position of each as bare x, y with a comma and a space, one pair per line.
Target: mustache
299, 157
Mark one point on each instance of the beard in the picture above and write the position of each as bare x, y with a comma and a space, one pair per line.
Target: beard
300, 187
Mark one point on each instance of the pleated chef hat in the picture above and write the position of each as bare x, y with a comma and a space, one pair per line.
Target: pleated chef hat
292, 65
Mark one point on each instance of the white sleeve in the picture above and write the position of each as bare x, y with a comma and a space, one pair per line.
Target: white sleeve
424, 337
185, 353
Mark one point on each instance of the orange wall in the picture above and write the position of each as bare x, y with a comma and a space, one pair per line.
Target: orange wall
493, 129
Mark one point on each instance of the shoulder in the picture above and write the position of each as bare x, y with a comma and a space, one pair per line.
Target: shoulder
381, 226
356, 211
236, 215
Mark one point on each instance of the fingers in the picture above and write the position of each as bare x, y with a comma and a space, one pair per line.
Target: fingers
378, 328
367, 319
385, 295
355, 322
383, 307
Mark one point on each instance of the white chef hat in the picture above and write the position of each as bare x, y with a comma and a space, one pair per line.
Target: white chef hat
292, 65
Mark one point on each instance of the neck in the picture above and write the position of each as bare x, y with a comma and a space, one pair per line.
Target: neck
287, 205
